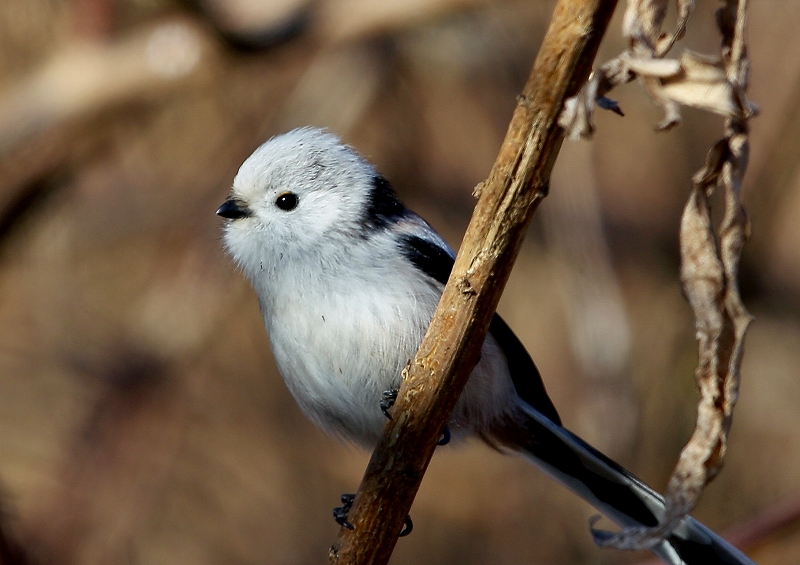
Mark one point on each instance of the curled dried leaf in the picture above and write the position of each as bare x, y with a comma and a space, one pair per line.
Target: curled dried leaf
642, 22
685, 9
653, 68
702, 83
694, 80
711, 171
672, 110
577, 116
721, 320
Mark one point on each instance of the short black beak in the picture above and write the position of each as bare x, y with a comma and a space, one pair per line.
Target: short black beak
233, 209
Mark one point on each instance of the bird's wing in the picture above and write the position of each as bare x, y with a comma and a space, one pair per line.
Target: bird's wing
434, 258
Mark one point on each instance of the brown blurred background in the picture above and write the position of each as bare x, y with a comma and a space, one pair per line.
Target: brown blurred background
142, 420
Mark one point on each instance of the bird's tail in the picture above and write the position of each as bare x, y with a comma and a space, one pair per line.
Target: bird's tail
615, 492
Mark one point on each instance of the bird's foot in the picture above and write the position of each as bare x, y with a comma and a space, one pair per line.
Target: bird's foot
388, 398
387, 401
408, 525
340, 512
340, 515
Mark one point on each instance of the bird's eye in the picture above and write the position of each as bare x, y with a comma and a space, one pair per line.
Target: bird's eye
286, 201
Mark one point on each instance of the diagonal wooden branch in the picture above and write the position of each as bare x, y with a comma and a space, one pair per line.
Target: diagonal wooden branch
507, 200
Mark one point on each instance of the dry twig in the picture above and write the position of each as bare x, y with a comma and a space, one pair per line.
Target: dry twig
507, 199
709, 257
695, 80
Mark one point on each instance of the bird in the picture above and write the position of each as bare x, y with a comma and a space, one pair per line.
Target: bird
347, 280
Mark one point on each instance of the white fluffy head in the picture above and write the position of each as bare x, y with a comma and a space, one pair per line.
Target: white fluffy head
330, 181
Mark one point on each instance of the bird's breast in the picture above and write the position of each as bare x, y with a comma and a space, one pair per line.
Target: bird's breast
340, 348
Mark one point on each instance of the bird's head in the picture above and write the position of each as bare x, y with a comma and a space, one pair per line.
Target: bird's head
302, 193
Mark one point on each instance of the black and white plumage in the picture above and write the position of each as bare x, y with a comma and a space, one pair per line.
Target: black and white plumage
348, 279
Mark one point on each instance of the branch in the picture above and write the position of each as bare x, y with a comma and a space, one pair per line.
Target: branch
507, 200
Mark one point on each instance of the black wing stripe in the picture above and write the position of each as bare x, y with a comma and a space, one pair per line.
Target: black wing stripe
437, 263
524, 374
383, 206
428, 257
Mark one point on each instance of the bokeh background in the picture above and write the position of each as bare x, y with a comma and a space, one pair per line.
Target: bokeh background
142, 420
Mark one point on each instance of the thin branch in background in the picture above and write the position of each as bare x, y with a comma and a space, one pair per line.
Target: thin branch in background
778, 520
709, 257
507, 200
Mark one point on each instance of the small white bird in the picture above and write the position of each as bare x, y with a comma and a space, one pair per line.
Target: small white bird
348, 279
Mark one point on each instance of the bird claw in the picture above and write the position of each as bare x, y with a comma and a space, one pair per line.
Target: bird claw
388, 398
340, 512
408, 525
340, 515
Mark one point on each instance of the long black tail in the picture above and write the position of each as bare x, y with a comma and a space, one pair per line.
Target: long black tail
618, 494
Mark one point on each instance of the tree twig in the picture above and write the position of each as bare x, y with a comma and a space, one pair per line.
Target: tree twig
507, 200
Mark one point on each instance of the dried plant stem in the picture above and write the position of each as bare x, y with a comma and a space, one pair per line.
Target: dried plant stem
710, 282
709, 272
721, 318
507, 199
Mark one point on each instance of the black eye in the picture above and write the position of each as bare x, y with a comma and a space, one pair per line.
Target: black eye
286, 201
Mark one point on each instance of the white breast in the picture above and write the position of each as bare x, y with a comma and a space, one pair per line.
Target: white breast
341, 340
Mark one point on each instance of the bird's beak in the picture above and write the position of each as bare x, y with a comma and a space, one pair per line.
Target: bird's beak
233, 209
